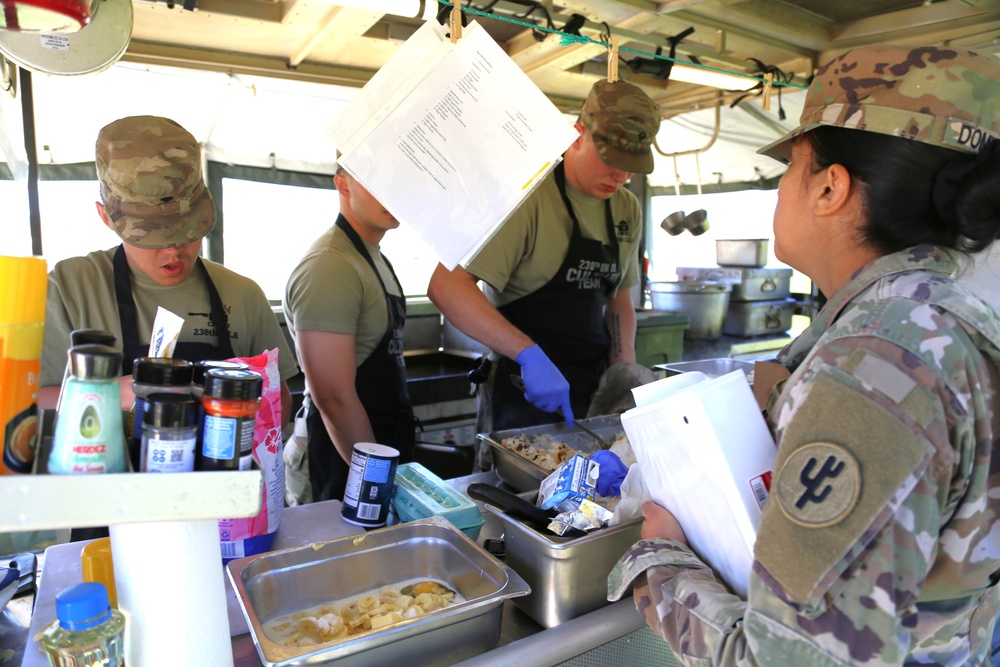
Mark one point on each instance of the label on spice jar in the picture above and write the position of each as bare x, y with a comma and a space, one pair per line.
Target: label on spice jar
225, 438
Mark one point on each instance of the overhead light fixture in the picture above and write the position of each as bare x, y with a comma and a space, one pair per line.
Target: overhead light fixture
411, 9
708, 77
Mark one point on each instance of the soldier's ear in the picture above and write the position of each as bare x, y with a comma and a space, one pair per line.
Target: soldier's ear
104, 215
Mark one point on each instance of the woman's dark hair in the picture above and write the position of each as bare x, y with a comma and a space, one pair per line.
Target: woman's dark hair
916, 193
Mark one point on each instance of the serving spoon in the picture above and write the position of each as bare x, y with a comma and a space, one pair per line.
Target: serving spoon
519, 383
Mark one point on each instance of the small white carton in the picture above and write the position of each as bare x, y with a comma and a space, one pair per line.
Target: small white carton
571, 483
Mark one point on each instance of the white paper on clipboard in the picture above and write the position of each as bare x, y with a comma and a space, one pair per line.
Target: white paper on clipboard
451, 138
705, 452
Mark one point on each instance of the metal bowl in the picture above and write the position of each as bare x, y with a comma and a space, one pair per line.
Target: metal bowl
283, 582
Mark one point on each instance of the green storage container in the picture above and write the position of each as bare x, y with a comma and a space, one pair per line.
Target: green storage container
659, 337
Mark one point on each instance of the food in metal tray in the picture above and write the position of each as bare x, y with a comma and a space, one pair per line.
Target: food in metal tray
369, 611
541, 449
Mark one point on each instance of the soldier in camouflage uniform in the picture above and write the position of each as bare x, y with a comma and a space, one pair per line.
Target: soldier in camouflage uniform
558, 308
880, 541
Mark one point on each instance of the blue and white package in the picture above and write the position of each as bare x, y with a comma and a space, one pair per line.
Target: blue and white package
571, 483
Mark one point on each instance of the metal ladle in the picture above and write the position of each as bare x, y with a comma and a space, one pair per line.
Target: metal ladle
519, 383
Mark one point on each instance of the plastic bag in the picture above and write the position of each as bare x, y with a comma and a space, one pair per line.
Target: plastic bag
298, 488
634, 494
254, 535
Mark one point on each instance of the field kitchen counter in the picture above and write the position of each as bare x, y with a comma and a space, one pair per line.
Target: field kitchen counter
614, 634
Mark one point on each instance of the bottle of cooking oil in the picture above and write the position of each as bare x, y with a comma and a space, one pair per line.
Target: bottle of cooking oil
89, 632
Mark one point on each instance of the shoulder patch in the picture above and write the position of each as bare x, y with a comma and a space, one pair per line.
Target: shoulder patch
818, 485
844, 464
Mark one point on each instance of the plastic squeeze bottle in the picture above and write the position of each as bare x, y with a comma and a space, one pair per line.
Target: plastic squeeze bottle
89, 436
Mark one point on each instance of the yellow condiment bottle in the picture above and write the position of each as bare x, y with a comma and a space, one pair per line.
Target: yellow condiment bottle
23, 287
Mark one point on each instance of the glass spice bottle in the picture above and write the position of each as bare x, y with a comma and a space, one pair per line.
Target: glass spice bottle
230, 402
169, 434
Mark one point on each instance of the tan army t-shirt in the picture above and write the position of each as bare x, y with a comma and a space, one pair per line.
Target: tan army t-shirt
529, 248
333, 289
82, 296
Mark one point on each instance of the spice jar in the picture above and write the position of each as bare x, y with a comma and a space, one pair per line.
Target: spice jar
230, 401
154, 375
88, 632
198, 383
169, 434
88, 436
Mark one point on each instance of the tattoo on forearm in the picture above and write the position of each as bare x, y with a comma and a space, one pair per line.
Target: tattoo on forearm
615, 330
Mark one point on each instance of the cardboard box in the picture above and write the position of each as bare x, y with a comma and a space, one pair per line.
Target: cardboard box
572, 482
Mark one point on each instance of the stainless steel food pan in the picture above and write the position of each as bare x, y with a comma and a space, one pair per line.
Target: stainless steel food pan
525, 475
713, 368
568, 577
282, 582
741, 252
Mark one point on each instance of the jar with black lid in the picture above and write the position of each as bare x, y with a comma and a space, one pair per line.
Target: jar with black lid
230, 402
169, 434
152, 375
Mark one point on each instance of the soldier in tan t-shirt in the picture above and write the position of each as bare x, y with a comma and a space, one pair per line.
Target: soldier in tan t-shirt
347, 310
557, 305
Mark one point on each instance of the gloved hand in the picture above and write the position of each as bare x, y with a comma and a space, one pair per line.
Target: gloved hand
611, 474
544, 386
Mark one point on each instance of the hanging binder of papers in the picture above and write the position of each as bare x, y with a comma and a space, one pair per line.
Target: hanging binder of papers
451, 138
706, 455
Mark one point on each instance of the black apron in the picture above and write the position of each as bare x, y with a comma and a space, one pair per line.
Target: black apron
566, 319
133, 347
380, 382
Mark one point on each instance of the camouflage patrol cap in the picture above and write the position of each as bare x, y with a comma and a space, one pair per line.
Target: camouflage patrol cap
624, 122
940, 96
151, 182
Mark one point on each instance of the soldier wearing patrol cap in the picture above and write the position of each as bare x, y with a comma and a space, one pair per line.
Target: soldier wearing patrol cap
154, 198
557, 307
878, 544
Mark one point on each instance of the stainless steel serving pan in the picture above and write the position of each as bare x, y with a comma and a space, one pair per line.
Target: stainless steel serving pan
525, 475
282, 582
568, 576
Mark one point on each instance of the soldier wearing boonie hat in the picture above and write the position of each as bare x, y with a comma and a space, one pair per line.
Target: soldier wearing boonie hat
877, 541
151, 182
557, 272
153, 196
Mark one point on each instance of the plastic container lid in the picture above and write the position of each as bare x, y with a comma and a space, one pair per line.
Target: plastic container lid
419, 493
202, 367
94, 361
235, 385
83, 606
162, 372
169, 410
92, 337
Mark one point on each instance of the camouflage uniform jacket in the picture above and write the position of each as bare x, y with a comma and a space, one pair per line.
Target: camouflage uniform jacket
880, 541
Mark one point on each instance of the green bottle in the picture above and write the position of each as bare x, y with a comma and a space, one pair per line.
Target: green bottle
89, 437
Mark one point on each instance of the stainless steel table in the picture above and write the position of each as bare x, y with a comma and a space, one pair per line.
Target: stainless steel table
615, 628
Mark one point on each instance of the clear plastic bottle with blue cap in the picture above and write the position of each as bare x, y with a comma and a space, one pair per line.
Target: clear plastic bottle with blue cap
89, 632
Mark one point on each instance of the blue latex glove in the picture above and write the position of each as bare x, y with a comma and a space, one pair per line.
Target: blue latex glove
611, 475
544, 386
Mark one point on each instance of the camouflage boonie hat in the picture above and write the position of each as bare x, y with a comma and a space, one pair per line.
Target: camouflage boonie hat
624, 122
151, 183
940, 96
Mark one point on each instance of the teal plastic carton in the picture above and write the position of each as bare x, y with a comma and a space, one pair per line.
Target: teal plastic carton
419, 493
